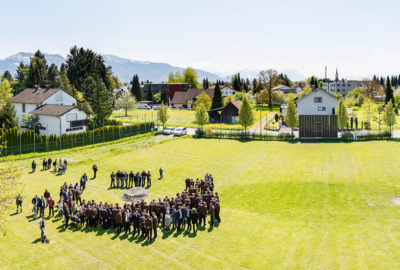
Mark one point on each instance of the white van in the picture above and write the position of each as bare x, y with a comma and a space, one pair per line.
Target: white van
143, 106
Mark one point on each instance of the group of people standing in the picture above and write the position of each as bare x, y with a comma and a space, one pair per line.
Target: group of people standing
48, 162
186, 211
123, 179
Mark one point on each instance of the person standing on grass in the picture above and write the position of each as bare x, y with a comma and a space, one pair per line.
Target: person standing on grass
19, 202
144, 175
65, 164
136, 220
44, 164
161, 173
55, 165
126, 179
131, 176
167, 221
155, 224
78, 196
217, 210
112, 180
49, 163
212, 214
94, 170
83, 182
33, 166
194, 217
67, 215
60, 209
42, 226
46, 197
179, 217
35, 211
51, 206
148, 179
41, 206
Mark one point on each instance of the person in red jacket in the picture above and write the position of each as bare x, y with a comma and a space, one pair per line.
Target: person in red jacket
51, 207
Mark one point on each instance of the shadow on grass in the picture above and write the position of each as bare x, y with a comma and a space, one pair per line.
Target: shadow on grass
30, 172
39, 240
14, 214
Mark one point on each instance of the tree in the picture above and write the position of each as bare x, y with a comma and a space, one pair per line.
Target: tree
269, 79
11, 185
203, 99
52, 76
288, 82
63, 82
306, 90
246, 114
83, 63
7, 75
31, 121
202, 116
150, 94
342, 114
157, 97
88, 89
264, 97
228, 99
22, 70
84, 105
191, 77
102, 103
217, 99
372, 87
389, 118
369, 108
164, 97
127, 102
5, 92
8, 115
163, 114
389, 92
175, 77
37, 74
136, 90
291, 115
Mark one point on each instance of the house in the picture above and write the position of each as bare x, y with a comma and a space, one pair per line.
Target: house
186, 99
342, 86
226, 91
227, 114
170, 88
317, 118
57, 110
285, 89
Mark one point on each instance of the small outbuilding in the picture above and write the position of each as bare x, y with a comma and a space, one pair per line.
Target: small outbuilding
227, 114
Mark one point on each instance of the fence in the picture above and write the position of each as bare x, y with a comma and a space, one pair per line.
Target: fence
68, 141
242, 135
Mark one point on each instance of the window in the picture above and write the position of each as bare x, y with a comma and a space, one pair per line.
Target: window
318, 100
321, 108
71, 117
75, 128
23, 107
349, 85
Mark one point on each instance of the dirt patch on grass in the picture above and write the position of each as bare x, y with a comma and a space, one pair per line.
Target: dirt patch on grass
135, 194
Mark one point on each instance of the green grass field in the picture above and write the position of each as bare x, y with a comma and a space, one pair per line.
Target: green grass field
283, 205
182, 118
374, 124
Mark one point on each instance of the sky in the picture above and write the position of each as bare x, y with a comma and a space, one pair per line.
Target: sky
358, 37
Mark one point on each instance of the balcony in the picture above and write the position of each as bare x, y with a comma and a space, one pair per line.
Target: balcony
79, 123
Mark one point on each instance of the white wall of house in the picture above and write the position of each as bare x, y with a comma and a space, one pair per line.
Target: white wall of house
177, 105
228, 91
341, 87
52, 123
20, 112
317, 103
60, 98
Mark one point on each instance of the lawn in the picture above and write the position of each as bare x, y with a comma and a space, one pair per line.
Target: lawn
332, 212
183, 118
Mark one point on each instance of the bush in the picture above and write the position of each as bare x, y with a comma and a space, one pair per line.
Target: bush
347, 136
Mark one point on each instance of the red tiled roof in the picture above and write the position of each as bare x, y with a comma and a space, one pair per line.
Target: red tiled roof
33, 96
181, 97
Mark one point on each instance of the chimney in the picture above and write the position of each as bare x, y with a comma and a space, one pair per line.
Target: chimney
47, 87
36, 87
312, 87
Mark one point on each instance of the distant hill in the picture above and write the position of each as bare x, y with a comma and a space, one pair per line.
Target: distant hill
121, 67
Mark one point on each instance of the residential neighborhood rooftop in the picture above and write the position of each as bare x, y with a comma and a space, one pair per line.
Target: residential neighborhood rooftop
33, 96
53, 110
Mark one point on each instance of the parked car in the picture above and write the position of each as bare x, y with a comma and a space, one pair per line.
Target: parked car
180, 131
155, 107
143, 106
169, 131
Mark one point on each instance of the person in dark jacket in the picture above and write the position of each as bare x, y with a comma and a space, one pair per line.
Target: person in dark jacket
131, 176
144, 175
33, 166
44, 164
136, 224
41, 206
161, 173
94, 170
49, 163
194, 217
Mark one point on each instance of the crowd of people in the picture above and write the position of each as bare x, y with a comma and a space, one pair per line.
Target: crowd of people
48, 162
123, 179
186, 211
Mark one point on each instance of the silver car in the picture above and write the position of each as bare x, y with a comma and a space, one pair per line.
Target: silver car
169, 131
180, 131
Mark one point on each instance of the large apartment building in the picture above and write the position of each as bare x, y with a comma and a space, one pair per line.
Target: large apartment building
340, 86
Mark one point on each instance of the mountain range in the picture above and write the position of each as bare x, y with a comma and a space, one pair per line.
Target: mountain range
125, 68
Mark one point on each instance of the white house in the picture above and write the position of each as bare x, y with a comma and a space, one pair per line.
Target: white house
226, 91
56, 109
285, 89
342, 86
317, 118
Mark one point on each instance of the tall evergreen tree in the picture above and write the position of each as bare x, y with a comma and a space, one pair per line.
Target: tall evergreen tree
217, 101
382, 82
136, 90
150, 94
20, 76
204, 84
52, 76
8, 115
7, 75
37, 74
389, 92
239, 81
103, 103
208, 86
